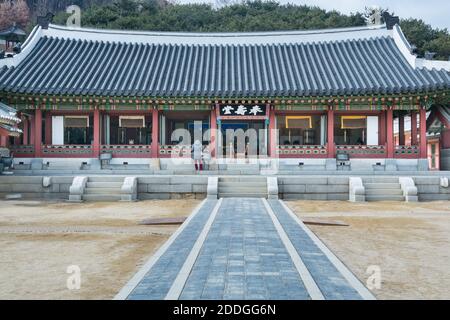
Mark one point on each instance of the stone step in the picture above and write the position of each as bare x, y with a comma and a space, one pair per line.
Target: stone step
305, 167
104, 184
101, 197
243, 183
370, 192
127, 167
243, 189
379, 179
105, 179
102, 191
385, 197
242, 195
382, 186
242, 179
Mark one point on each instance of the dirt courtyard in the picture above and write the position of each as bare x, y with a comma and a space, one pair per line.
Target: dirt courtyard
408, 242
39, 241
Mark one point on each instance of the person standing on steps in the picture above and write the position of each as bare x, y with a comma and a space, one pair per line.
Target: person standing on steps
197, 155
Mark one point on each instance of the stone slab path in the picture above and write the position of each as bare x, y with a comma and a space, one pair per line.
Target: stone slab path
242, 248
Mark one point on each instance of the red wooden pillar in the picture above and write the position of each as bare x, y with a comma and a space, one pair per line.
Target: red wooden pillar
401, 130
330, 133
155, 133
213, 132
423, 133
37, 133
390, 133
96, 142
31, 129
48, 128
272, 133
413, 128
25, 131
3, 141
382, 129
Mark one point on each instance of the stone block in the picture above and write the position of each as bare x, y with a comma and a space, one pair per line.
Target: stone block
20, 180
303, 180
338, 196
199, 188
154, 196
5, 187
182, 188
154, 180
316, 196
62, 179
142, 187
189, 180
292, 188
426, 180
424, 188
54, 187
337, 180
64, 187
433, 197
27, 188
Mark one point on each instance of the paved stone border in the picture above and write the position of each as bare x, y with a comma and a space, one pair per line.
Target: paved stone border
337, 263
140, 275
180, 281
307, 279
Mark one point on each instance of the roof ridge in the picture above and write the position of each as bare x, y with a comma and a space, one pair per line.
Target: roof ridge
219, 34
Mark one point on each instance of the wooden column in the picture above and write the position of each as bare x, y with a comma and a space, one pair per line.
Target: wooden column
401, 130
155, 133
413, 128
37, 133
390, 133
96, 142
48, 128
423, 133
272, 133
330, 133
213, 132
382, 129
3, 141
25, 131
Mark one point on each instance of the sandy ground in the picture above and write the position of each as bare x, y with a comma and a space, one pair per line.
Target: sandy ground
39, 241
409, 243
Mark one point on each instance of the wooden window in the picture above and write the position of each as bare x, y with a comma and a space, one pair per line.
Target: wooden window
132, 121
353, 122
298, 122
76, 121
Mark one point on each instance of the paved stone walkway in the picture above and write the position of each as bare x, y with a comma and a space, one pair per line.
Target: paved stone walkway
241, 248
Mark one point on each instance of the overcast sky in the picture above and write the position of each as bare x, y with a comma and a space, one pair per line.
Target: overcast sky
434, 12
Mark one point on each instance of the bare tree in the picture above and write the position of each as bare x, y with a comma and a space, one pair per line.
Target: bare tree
14, 12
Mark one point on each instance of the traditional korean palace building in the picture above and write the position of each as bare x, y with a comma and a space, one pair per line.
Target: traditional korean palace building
83, 92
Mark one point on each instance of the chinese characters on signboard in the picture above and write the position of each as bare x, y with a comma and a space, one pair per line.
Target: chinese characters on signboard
236, 110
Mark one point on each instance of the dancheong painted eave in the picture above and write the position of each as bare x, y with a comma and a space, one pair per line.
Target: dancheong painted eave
349, 61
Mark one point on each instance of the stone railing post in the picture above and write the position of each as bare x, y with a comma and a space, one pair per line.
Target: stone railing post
76, 190
409, 189
128, 191
357, 192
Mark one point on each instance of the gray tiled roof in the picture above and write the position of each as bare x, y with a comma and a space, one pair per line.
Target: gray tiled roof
8, 114
71, 66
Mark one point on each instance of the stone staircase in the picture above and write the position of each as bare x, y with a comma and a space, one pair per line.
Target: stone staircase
107, 188
383, 189
242, 187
